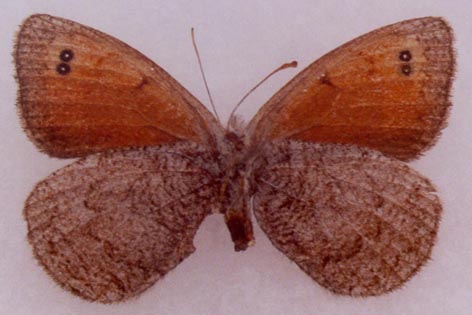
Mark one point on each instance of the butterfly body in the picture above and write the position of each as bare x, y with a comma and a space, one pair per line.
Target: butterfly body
235, 165
320, 165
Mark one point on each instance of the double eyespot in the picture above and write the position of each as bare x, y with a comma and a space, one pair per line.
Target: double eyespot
65, 56
405, 56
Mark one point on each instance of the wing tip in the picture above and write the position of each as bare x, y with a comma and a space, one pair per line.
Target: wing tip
445, 25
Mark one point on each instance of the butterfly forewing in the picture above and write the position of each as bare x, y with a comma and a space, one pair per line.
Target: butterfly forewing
82, 91
110, 225
387, 90
355, 221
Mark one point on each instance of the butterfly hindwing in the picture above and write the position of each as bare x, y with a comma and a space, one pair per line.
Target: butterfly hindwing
357, 222
82, 91
387, 90
110, 225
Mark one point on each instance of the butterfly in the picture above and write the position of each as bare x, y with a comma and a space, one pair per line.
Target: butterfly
321, 165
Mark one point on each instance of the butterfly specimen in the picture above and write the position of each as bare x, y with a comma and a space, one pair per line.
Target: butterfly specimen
321, 165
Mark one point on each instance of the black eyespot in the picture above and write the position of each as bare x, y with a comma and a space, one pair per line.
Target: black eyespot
66, 55
405, 55
63, 68
406, 69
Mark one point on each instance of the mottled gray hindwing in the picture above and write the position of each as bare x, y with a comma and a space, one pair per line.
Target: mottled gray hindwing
357, 222
110, 225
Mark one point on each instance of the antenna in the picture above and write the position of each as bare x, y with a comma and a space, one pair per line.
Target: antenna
203, 76
292, 64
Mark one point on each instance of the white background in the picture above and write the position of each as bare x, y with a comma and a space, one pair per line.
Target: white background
240, 42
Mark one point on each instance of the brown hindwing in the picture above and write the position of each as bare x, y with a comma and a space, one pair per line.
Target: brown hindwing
110, 225
355, 221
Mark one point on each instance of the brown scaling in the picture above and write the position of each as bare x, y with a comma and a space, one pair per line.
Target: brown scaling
111, 224
356, 227
144, 81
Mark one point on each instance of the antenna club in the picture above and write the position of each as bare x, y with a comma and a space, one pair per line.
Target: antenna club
292, 64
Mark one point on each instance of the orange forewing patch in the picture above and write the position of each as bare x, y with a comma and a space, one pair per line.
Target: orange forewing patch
365, 93
107, 96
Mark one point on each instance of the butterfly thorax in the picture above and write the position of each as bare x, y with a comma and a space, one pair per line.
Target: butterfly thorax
234, 192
